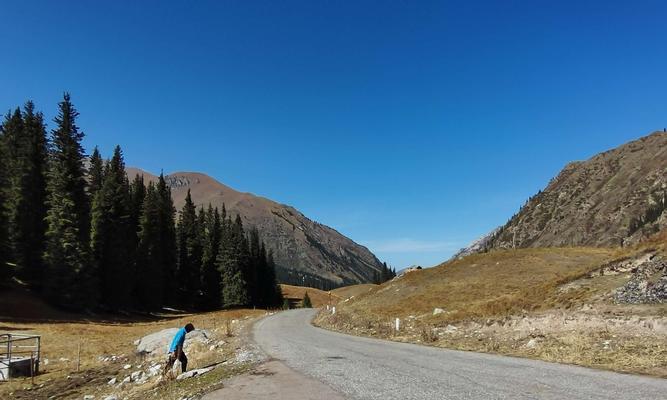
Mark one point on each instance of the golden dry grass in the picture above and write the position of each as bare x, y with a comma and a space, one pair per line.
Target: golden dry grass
61, 341
318, 298
354, 290
497, 302
484, 285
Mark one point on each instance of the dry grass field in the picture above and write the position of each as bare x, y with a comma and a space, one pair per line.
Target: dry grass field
318, 298
346, 292
551, 304
62, 339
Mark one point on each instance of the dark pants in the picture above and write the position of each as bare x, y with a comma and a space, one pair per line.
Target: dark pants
172, 359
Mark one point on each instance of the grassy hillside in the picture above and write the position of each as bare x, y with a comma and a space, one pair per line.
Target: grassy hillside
484, 285
346, 292
553, 304
318, 298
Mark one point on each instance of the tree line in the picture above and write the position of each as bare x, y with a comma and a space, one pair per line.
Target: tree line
78, 231
384, 275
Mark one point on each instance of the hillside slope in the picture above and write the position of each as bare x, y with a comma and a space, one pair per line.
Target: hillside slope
605, 308
306, 252
615, 198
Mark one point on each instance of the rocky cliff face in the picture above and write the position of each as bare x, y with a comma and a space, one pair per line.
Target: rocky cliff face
306, 252
615, 198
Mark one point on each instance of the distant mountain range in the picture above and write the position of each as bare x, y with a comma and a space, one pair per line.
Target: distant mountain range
306, 252
616, 198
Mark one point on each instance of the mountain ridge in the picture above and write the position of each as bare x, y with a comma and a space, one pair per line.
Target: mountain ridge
305, 251
616, 198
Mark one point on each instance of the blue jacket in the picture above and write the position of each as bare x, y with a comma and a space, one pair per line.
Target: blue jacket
178, 341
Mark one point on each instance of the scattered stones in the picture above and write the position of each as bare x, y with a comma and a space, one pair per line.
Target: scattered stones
193, 373
127, 366
136, 375
532, 343
158, 342
648, 283
112, 397
437, 311
89, 397
112, 381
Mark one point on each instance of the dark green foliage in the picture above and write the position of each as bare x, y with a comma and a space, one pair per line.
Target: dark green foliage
5, 271
167, 241
232, 263
113, 235
30, 201
149, 290
189, 253
69, 281
24, 141
92, 238
95, 173
211, 277
306, 301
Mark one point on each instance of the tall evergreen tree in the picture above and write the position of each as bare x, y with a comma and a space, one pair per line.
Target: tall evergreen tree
5, 271
274, 293
255, 268
29, 197
232, 261
112, 234
67, 236
211, 279
150, 283
167, 242
189, 252
95, 173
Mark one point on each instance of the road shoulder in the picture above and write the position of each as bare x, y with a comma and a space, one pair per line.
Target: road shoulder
273, 380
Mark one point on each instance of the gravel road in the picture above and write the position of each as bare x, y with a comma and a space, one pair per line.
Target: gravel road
362, 368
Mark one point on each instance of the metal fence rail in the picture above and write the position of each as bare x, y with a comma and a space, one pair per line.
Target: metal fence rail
17, 350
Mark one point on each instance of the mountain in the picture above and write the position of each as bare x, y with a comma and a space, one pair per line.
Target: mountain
306, 252
477, 245
615, 198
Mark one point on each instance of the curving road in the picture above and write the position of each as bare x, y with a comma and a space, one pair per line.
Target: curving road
362, 368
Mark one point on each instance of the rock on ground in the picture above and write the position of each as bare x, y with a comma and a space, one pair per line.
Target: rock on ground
158, 343
193, 373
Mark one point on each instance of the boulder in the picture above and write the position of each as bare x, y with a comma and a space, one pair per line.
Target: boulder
157, 343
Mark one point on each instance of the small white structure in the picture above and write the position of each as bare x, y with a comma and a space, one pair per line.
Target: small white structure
19, 355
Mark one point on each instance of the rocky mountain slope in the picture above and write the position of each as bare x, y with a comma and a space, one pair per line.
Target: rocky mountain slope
615, 198
306, 252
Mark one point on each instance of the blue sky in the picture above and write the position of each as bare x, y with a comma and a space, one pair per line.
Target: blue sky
411, 127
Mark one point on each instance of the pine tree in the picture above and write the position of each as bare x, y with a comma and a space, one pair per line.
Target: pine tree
255, 268
211, 279
189, 253
167, 242
95, 173
12, 137
149, 286
30, 198
275, 294
232, 260
66, 256
5, 272
112, 242
306, 301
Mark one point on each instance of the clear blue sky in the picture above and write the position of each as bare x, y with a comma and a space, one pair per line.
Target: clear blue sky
412, 127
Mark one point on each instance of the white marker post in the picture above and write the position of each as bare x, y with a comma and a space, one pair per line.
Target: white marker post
333, 310
398, 324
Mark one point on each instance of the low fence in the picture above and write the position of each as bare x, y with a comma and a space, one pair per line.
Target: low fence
19, 355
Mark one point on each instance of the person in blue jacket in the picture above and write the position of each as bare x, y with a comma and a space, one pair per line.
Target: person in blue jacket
176, 349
